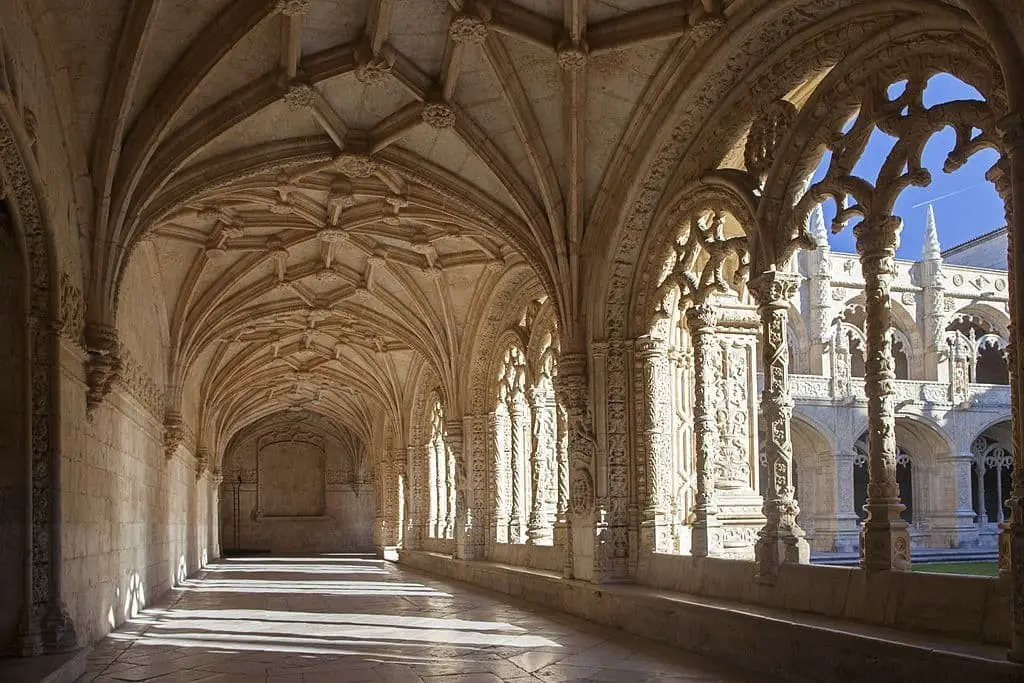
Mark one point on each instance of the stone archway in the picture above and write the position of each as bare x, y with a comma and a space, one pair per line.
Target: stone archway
45, 625
14, 439
297, 482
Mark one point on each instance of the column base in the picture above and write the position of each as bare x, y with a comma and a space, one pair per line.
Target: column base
706, 539
387, 552
30, 640
775, 549
468, 544
540, 535
838, 533
958, 530
885, 547
741, 516
58, 632
655, 534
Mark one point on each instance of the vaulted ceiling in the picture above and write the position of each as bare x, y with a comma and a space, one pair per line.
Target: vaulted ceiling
336, 188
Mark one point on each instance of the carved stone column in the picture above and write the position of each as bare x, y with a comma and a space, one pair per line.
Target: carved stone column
707, 533
571, 388
57, 630
655, 525
433, 502
499, 501
885, 540
740, 506
1008, 177
462, 518
519, 456
474, 455
213, 514
417, 522
781, 540
452, 462
539, 531
562, 477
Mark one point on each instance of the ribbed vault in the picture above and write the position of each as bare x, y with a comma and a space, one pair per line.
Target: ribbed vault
334, 188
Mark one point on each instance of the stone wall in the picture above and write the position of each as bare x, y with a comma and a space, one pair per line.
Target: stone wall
303, 486
135, 522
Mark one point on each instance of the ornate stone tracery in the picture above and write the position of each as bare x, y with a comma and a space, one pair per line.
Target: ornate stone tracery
904, 116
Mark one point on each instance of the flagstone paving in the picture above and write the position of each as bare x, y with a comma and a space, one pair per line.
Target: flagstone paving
341, 619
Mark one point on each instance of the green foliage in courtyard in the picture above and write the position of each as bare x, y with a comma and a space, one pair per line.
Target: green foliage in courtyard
971, 568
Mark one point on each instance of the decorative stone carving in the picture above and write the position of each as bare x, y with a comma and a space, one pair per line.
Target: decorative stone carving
140, 385
701, 321
652, 359
104, 365
572, 56
469, 29
355, 165
765, 135
300, 96
781, 540
293, 7
571, 388
174, 432
438, 115
372, 69
885, 542
46, 621
72, 312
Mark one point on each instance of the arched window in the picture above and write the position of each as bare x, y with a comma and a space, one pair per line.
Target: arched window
975, 342
854, 320
513, 431
441, 473
544, 469
992, 471
904, 477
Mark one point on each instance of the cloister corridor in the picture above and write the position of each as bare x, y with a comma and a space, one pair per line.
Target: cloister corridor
342, 618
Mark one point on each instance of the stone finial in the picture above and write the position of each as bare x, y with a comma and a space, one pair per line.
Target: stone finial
438, 115
930, 249
466, 28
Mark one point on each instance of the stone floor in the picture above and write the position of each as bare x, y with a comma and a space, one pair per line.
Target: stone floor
345, 618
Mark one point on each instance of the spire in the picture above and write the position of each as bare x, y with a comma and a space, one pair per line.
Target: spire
930, 250
816, 226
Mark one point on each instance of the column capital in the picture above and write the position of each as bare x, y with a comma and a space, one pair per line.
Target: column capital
876, 242
702, 317
774, 287
649, 347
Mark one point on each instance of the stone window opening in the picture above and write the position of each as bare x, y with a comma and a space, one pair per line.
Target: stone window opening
904, 478
991, 478
976, 347
512, 418
854, 324
441, 475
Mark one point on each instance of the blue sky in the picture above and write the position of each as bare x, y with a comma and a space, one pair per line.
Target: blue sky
966, 205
